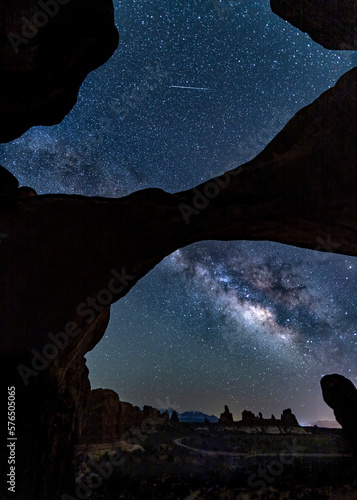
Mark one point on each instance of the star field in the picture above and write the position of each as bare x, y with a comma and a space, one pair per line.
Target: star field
195, 89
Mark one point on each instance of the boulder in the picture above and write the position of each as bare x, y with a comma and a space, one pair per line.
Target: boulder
341, 395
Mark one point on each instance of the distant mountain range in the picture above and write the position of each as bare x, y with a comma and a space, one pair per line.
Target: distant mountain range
194, 416
330, 424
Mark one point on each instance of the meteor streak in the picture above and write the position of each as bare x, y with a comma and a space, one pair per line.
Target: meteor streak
192, 88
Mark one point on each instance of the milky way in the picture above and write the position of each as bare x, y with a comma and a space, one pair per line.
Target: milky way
195, 89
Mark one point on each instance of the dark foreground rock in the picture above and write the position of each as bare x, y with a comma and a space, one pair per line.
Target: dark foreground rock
332, 23
8, 183
341, 395
47, 49
50, 406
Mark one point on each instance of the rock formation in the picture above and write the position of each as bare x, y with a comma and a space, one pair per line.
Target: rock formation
8, 183
152, 413
341, 395
107, 418
50, 412
288, 418
65, 259
248, 418
174, 418
331, 23
47, 50
226, 417
103, 420
131, 415
152, 418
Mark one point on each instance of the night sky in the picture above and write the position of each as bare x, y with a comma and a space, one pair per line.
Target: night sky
250, 324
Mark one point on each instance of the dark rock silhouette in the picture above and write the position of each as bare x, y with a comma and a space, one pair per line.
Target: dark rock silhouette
248, 418
154, 414
26, 192
226, 417
108, 419
341, 395
103, 420
9, 187
131, 415
50, 412
150, 412
288, 418
331, 23
46, 54
174, 417
8, 183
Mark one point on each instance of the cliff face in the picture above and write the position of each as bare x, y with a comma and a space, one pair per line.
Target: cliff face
103, 421
341, 395
331, 23
109, 419
47, 50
